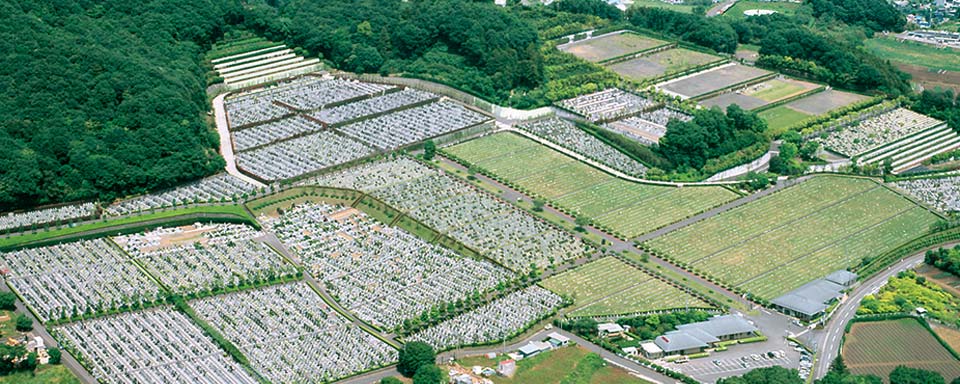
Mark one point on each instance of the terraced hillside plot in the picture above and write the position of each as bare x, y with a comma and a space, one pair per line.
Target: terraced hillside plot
153, 346
203, 258
290, 335
69, 279
625, 207
782, 241
713, 80
611, 287
760, 94
610, 46
382, 274
661, 63
876, 348
878, 131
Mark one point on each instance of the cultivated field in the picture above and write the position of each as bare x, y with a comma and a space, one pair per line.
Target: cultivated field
610, 46
914, 53
760, 94
611, 287
877, 348
661, 63
713, 80
780, 242
628, 208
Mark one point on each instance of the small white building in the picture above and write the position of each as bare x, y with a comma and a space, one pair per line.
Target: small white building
610, 330
651, 350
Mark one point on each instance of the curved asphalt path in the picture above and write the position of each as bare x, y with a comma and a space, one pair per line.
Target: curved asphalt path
828, 341
226, 143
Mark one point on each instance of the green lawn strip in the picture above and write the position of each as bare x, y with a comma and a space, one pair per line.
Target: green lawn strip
914, 53
683, 280
299, 195
780, 118
44, 374
127, 224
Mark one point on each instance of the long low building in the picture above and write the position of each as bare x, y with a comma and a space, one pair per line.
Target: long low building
812, 299
695, 337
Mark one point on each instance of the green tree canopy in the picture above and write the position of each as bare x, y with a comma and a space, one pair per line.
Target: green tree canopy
414, 355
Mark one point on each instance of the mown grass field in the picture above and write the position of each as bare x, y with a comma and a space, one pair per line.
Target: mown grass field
46, 374
557, 366
782, 241
914, 53
683, 8
627, 208
611, 46
611, 287
781, 7
876, 348
782, 117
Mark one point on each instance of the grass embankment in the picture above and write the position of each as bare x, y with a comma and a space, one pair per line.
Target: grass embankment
914, 53
126, 223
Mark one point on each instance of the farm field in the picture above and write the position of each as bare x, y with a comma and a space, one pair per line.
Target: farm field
914, 53
761, 94
780, 7
609, 46
627, 208
877, 348
712, 80
555, 366
661, 63
784, 240
611, 287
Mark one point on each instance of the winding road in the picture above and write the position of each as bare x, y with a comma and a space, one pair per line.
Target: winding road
226, 142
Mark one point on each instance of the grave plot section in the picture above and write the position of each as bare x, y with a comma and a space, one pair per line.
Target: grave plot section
302, 94
502, 318
207, 258
606, 105
760, 94
663, 64
83, 277
153, 346
386, 103
713, 80
877, 348
382, 274
941, 193
782, 241
462, 212
567, 135
40, 217
610, 287
900, 136
409, 126
647, 127
290, 335
610, 46
296, 157
264, 134
625, 208
218, 188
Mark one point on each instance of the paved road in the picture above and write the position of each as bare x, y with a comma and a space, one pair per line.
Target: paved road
226, 144
720, 8
828, 340
66, 359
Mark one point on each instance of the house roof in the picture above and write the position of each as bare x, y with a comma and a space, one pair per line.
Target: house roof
842, 277
610, 327
558, 337
721, 326
651, 348
678, 341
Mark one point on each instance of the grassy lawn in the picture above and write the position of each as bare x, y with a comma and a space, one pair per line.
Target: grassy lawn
914, 53
878, 347
268, 205
611, 46
779, 242
778, 90
39, 235
611, 287
555, 366
46, 374
782, 117
659, 4
782, 7
627, 208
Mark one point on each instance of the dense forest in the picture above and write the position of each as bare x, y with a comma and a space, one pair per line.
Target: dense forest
104, 98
